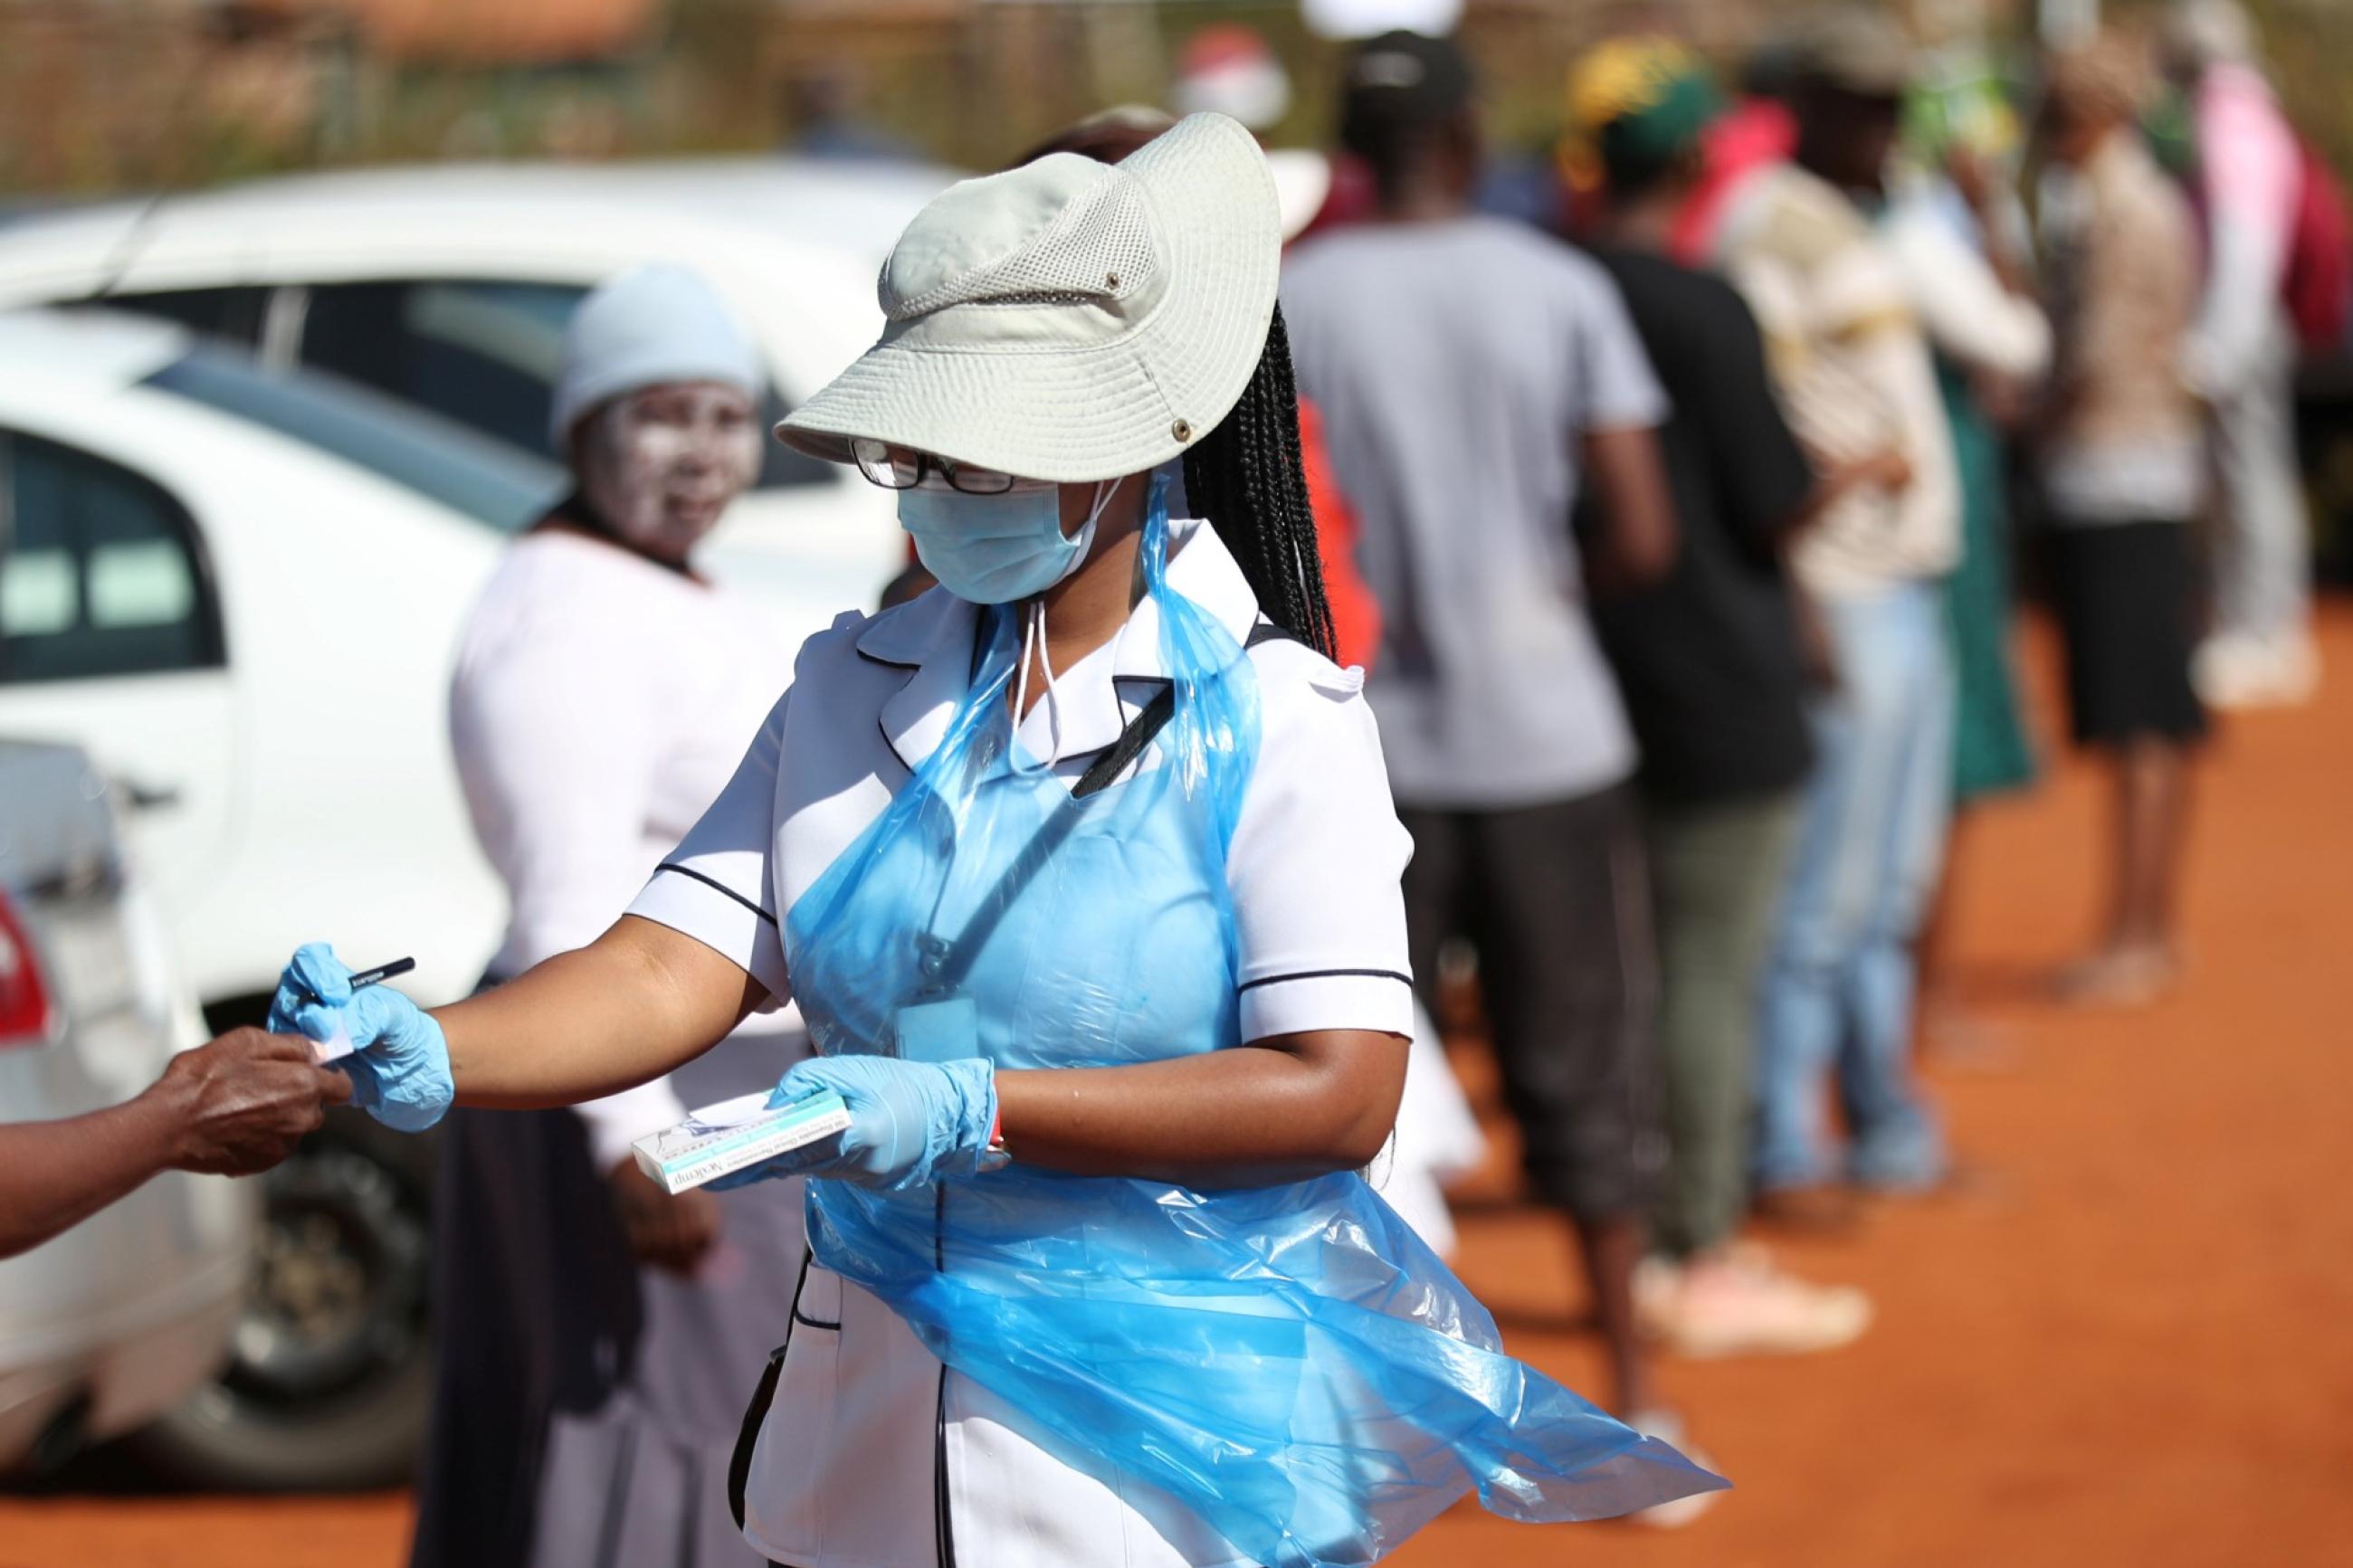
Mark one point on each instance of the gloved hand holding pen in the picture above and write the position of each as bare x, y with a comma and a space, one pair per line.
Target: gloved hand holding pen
400, 1064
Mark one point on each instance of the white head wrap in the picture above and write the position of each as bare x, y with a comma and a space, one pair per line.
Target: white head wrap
642, 328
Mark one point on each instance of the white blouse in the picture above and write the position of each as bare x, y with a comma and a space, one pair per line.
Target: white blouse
599, 705
867, 1430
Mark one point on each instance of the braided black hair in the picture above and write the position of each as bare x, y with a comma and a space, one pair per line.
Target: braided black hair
1247, 478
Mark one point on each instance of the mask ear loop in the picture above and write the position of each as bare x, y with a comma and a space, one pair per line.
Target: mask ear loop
1033, 635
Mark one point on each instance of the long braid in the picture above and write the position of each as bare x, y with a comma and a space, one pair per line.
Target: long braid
1247, 478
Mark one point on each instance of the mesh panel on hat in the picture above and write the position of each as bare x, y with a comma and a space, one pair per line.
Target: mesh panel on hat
1098, 248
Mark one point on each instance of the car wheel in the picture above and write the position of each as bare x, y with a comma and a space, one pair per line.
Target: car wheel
330, 1375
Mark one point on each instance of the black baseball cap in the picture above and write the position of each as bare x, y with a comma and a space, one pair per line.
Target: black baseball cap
1401, 81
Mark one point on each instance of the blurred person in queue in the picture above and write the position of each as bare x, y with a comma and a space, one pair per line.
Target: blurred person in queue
2123, 472
233, 1107
2241, 357
594, 1330
1959, 244
1475, 375
1957, 235
1709, 661
1082, 869
1852, 366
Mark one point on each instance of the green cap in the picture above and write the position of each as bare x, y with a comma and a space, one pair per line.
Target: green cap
1635, 105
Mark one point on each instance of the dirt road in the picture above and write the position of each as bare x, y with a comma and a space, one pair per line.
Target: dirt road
2126, 1342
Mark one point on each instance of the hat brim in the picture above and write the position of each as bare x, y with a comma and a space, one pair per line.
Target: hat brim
1098, 411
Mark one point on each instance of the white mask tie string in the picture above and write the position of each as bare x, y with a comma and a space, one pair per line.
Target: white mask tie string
1033, 639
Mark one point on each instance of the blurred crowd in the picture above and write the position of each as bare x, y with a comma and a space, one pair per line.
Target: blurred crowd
1680, 481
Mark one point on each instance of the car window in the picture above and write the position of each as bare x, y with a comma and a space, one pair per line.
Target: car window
780, 466
482, 354
233, 313
103, 573
494, 484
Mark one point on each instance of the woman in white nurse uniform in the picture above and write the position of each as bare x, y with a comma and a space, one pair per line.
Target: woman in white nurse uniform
1084, 870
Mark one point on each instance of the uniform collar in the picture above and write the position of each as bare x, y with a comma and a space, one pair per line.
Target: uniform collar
931, 640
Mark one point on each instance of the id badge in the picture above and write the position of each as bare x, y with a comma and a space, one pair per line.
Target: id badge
945, 1029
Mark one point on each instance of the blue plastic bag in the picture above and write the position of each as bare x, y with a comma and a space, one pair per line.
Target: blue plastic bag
1290, 1362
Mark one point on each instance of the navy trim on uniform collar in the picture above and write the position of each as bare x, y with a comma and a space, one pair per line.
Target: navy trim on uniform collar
930, 637
905, 635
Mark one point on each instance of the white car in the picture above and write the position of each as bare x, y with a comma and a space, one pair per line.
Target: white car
242, 592
448, 287
121, 1318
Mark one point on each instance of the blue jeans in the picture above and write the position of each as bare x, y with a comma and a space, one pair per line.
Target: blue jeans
1838, 990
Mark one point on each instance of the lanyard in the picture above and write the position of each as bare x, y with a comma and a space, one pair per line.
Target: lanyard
944, 963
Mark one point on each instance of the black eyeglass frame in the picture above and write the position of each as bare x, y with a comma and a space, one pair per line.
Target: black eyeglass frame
878, 467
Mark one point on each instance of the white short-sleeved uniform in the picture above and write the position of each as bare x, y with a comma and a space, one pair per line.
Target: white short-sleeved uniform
868, 1434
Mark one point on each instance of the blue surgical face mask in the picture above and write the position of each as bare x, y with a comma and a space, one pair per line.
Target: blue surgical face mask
996, 550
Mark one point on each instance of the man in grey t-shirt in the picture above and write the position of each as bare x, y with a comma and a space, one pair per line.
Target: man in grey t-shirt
1462, 368
1471, 375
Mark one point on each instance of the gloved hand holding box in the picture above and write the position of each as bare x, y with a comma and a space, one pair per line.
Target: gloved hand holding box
721, 1139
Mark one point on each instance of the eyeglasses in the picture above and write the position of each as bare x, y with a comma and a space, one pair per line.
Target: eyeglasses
902, 468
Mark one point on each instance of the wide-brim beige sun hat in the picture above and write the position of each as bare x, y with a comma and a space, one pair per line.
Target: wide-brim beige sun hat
1069, 321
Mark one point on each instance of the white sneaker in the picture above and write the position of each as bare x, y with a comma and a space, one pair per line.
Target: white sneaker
1658, 1282
1668, 1428
1740, 1304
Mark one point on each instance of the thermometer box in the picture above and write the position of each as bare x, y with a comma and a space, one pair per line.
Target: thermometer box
721, 1139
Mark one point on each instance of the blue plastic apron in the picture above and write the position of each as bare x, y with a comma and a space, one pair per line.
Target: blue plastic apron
1290, 1362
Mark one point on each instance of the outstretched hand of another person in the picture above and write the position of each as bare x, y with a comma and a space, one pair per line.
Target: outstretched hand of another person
240, 1103
400, 1064
673, 1232
910, 1123
232, 1107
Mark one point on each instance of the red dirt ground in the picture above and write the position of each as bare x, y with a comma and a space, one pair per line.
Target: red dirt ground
2126, 1341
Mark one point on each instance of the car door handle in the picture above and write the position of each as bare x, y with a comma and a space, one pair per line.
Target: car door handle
137, 795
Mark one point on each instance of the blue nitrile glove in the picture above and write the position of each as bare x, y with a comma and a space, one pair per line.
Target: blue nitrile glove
910, 1123
399, 1064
